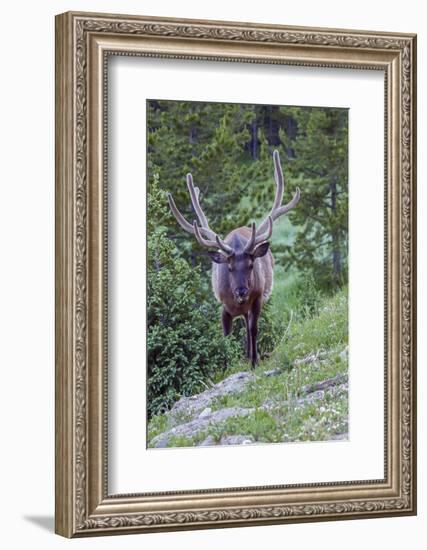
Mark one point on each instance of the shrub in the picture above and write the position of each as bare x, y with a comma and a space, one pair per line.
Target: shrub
308, 295
185, 347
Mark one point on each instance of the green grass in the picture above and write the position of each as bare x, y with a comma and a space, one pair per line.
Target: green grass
293, 293
260, 425
323, 332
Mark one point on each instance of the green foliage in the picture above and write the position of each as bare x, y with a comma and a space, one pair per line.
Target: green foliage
307, 295
318, 163
185, 346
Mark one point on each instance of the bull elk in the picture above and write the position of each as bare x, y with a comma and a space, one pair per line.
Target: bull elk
242, 264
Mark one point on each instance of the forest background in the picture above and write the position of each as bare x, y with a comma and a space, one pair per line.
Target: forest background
228, 149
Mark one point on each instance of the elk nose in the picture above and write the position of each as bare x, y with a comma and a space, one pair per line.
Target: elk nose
242, 291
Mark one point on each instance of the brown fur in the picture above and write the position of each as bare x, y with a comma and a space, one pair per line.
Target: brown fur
263, 278
259, 292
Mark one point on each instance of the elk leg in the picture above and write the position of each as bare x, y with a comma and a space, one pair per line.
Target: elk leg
248, 337
227, 322
253, 327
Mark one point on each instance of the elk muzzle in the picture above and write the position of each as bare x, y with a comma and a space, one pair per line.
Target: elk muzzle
241, 295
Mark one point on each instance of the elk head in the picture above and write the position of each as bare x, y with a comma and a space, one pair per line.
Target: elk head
239, 258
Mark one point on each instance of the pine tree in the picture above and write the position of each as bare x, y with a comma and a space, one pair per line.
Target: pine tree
317, 162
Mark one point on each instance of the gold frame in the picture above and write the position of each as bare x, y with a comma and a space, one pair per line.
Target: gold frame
83, 43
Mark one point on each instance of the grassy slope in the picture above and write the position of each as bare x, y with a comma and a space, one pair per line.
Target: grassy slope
326, 335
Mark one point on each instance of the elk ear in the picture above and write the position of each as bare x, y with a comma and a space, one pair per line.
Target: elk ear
260, 250
218, 257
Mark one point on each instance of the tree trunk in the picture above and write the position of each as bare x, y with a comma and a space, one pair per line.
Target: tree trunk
336, 253
254, 139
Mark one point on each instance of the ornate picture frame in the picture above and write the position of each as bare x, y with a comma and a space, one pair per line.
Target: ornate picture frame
84, 42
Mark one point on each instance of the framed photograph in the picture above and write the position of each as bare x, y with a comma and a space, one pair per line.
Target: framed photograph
235, 274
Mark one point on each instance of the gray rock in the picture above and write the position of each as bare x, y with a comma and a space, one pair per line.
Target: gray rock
326, 384
273, 372
236, 440
337, 390
319, 394
194, 427
205, 412
196, 403
310, 358
223, 414
161, 442
209, 441
340, 437
344, 354
271, 404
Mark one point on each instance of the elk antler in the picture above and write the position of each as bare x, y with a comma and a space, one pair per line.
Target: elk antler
278, 210
194, 195
257, 238
212, 239
217, 243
